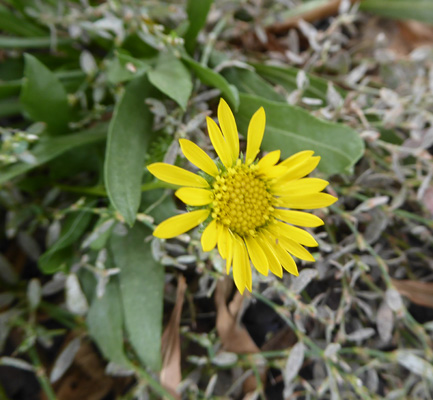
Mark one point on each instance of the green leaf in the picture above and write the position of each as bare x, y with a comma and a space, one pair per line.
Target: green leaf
121, 68
421, 10
8, 42
73, 228
50, 148
128, 135
212, 78
172, 78
141, 286
16, 25
105, 322
43, 97
286, 77
197, 13
249, 82
292, 129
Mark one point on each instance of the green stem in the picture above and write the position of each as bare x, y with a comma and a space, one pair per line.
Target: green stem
41, 375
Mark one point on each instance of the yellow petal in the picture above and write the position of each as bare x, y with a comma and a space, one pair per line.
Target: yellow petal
275, 171
239, 265
229, 128
222, 240
295, 170
274, 264
296, 249
256, 129
194, 196
269, 160
209, 236
257, 255
308, 201
230, 247
198, 157
280, 229
179, 224
300, 186
286, 260
298, 218
220, 145
177, 176
297, 158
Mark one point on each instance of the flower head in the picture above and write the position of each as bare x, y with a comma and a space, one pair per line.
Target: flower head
249, 206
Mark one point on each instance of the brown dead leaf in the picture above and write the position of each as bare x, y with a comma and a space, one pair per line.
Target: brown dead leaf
428, 199
171, 374
234, 337
86, 378
417, 292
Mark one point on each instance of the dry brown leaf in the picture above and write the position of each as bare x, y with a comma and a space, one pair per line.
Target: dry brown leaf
85, 379
428, 199
171, 374
417, 292
234, 337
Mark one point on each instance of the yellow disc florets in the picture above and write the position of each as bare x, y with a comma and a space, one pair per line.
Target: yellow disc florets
242, 201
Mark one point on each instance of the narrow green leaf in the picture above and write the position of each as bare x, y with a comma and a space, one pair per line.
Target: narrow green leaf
105, 322
421, 10
73, 228
141, 285
50, 148
212, 78
251, 83
286, 77
17, 25
172, 78
197, 11
292, 129
128, 135
43, 96
8, 42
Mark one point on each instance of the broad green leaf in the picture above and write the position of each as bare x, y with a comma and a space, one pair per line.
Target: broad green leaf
421, 10
73, 228
250, 82
128, 135
197, 12
141, 286
105, 322
286, 77
43, 97
50, 148
292, 129
212, 78
123, 68
172, 78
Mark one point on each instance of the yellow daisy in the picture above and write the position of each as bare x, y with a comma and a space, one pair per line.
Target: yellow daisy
248, 205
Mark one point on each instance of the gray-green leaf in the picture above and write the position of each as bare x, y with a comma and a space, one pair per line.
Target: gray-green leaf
43, 96
141, 285
105, 322
128, 136
172, 78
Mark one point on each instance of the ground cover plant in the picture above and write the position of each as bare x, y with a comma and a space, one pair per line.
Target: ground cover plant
102, 299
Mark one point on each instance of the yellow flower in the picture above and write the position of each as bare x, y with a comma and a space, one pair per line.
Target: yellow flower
248, 206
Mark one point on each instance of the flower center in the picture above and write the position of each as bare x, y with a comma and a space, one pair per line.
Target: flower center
242, 201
